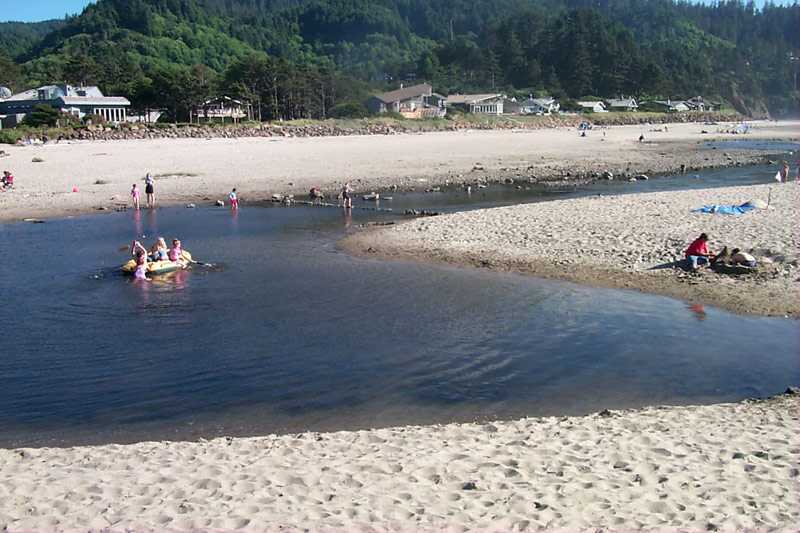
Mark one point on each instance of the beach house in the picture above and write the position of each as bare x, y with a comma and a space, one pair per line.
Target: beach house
222, 109
78, 101
622, 104
417, 101
481, 104
592, 106
540, 106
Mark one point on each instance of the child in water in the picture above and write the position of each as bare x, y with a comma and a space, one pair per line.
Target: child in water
176, 253
135, 196
159, 251
233, 199
140, 255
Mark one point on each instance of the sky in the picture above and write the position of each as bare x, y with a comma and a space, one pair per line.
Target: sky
37, 10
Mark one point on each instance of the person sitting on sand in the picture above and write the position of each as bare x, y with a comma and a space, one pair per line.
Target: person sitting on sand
176, 253
8, 179
739, 257
697, 253
140, 255
159, 250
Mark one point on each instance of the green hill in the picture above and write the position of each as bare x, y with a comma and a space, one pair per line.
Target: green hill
268, 50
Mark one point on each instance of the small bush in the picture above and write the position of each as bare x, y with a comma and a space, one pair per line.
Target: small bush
348, 110
9, 136
100, 182
37, 160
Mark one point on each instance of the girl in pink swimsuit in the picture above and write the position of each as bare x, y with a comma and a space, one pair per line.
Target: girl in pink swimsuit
135, 196
176, 253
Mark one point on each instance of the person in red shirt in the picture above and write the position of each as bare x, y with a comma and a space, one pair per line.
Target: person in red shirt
697, 253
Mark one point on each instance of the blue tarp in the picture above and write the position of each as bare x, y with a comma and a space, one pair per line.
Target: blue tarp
725, 209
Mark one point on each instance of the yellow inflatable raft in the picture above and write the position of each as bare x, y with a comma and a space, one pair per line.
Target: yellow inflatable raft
157, 267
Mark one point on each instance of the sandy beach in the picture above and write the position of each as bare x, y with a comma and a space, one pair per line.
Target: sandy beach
205, 170
726, 467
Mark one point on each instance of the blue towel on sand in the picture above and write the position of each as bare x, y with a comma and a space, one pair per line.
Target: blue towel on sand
725, 209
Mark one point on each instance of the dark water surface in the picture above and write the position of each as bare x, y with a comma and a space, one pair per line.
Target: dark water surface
283, 333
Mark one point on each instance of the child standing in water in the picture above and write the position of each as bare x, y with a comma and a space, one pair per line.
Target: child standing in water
234, 200
148, 190
140, 255
135, 196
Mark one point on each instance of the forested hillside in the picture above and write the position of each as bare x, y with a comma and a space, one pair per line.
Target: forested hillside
301, 58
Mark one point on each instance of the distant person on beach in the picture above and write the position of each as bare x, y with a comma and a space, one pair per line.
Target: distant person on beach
159, 250
784, 172
234, 200
739, 257
148, 190
347, 202
135, 196
140, 255
641, 138
697, 253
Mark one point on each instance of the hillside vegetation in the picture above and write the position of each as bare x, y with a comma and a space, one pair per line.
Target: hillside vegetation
302, 58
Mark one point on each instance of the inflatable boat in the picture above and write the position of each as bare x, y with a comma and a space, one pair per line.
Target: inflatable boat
157, 267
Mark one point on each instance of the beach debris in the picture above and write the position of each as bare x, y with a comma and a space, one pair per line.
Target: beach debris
219, 203
276, 197
478, 166
608, 175
641, 177
190, 206
34, 220
371, 197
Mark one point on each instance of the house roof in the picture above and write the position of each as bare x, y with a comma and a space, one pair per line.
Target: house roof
544, 102
423, 89
94, 100
470, 98
591, 103
622, 102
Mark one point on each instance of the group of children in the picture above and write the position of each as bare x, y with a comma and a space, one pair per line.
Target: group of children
151, 198
158, 252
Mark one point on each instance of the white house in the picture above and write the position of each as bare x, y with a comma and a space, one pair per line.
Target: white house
540, 106
221, 109
593, 106
78, 101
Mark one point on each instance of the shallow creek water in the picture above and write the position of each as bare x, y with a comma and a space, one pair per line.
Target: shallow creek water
281, 333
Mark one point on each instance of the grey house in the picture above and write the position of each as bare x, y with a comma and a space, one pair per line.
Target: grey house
416, 101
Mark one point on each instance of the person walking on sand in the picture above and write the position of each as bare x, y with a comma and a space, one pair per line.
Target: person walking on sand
148, 190
784, 172
697, 253
135, 196
347, 202
234, 200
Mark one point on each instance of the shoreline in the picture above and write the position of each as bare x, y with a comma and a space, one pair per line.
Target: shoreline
720, 467
204, 170
631, 241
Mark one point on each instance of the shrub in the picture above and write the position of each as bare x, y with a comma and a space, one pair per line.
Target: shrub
9, 136
348, 110
42, 115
